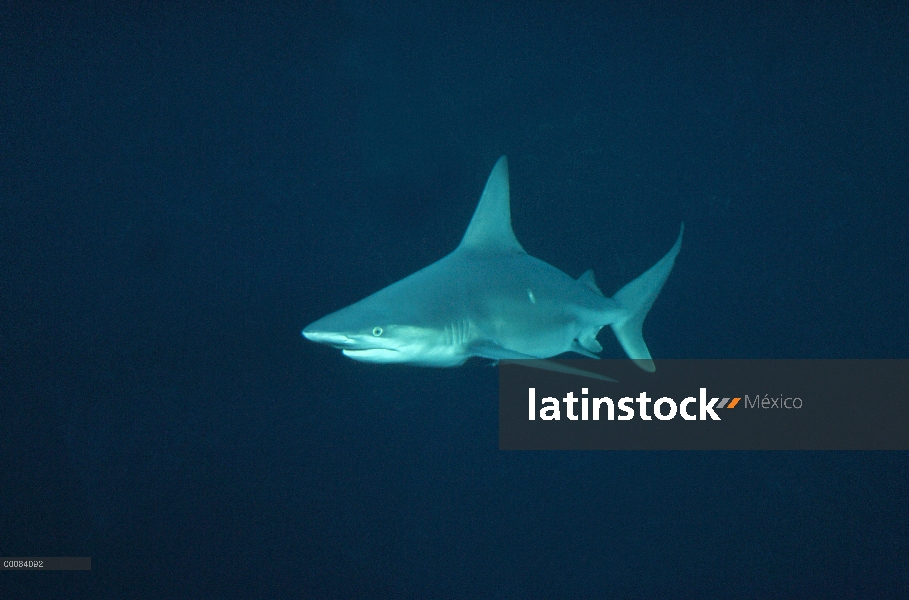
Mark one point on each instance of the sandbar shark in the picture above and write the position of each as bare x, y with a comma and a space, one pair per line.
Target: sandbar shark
491, 299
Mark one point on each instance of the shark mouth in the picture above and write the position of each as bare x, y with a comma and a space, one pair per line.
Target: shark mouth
380, 355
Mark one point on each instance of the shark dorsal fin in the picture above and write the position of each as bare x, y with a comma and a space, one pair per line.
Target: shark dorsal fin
490, 227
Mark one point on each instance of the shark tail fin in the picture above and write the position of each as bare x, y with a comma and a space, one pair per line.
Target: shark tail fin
637, 297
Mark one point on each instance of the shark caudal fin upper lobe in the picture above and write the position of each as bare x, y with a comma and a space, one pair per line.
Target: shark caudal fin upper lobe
637, 297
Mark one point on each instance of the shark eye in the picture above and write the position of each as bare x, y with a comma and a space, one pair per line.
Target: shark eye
377, 331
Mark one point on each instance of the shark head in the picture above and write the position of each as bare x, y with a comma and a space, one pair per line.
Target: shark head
371, 336
369, 340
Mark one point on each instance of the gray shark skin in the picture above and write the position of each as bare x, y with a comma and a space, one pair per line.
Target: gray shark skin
491, 299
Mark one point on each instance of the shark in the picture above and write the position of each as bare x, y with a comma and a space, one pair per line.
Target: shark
490, 299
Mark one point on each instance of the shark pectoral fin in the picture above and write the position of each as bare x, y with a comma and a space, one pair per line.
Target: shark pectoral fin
551, 365
487, 349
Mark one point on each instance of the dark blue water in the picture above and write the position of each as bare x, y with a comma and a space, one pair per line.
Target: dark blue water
183, 189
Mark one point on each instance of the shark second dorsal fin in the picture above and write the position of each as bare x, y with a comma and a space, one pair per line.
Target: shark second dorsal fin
490, 227
590, 281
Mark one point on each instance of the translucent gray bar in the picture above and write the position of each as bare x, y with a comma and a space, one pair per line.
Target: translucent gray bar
710, 404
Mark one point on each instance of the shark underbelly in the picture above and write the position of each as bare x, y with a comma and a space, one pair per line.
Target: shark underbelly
537, 339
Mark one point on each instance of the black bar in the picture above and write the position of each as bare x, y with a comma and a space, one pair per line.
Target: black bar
46, 563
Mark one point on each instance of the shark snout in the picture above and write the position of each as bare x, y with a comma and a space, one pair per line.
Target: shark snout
331, 338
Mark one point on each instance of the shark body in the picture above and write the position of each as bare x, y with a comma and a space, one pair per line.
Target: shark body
491, 299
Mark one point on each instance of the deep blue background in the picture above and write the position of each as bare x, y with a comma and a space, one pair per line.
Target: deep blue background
183, 189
